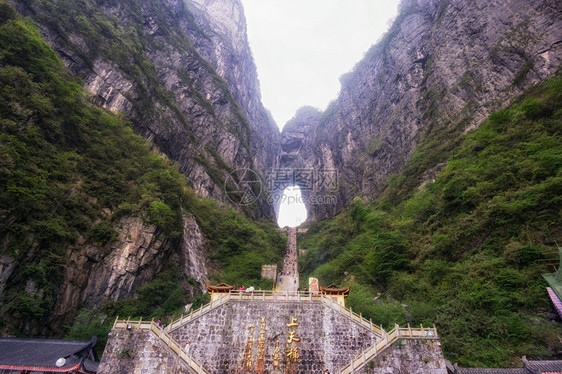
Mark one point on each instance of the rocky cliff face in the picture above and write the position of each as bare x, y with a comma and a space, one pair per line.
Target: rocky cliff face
224, 24
183, 74
188, 83
114, 273
193, 251
295, 138
442, 67
97, 275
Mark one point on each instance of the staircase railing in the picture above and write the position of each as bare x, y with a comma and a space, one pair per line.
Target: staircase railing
164, 338
204, 309
387, 340
349, 313
275, 296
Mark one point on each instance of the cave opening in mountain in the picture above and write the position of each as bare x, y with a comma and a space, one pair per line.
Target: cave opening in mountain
292, 210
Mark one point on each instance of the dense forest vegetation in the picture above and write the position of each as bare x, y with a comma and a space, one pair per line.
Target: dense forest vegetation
465, 251
70, 171
92, 33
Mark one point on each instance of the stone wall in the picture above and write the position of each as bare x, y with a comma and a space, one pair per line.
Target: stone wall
269, 272
328, 339
217, 340
139, 352
409, 356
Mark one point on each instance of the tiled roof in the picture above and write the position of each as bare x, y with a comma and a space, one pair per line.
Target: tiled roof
552, 366
41, 353
555, 300
492, 371
531, 367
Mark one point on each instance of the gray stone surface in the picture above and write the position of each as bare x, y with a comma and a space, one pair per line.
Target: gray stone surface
328, 339
135, 257
409, 356
7, 265
98, 275
193, 251
139, 352
269, 271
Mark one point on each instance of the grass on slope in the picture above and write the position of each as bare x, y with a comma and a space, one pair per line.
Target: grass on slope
466, 251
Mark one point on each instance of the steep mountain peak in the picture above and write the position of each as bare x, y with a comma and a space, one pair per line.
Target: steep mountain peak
295, 131
442, 67
226, 17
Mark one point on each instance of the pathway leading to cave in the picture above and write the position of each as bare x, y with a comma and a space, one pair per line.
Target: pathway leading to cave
290, 274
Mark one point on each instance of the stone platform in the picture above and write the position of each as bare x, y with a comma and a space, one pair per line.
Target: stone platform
215, 339
327, 339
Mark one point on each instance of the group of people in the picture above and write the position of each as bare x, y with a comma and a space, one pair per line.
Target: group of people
243, 289
290, 265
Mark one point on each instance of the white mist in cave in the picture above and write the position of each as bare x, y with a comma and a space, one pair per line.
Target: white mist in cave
292, 211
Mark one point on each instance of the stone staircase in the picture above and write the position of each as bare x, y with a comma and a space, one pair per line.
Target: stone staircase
275, 296
357, 318
246, 305
164, 338
359, 362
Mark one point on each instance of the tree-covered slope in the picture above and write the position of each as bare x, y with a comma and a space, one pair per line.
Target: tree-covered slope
74, 179
149, 60
467, 250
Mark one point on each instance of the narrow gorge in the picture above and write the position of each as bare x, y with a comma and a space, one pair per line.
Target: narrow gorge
128, 129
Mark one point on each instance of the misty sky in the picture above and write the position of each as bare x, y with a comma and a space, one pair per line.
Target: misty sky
302, 47
292, 211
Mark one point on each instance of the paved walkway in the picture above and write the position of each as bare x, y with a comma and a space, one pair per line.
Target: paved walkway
290, 274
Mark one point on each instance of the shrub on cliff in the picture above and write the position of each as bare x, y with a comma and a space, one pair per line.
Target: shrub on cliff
464, 251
